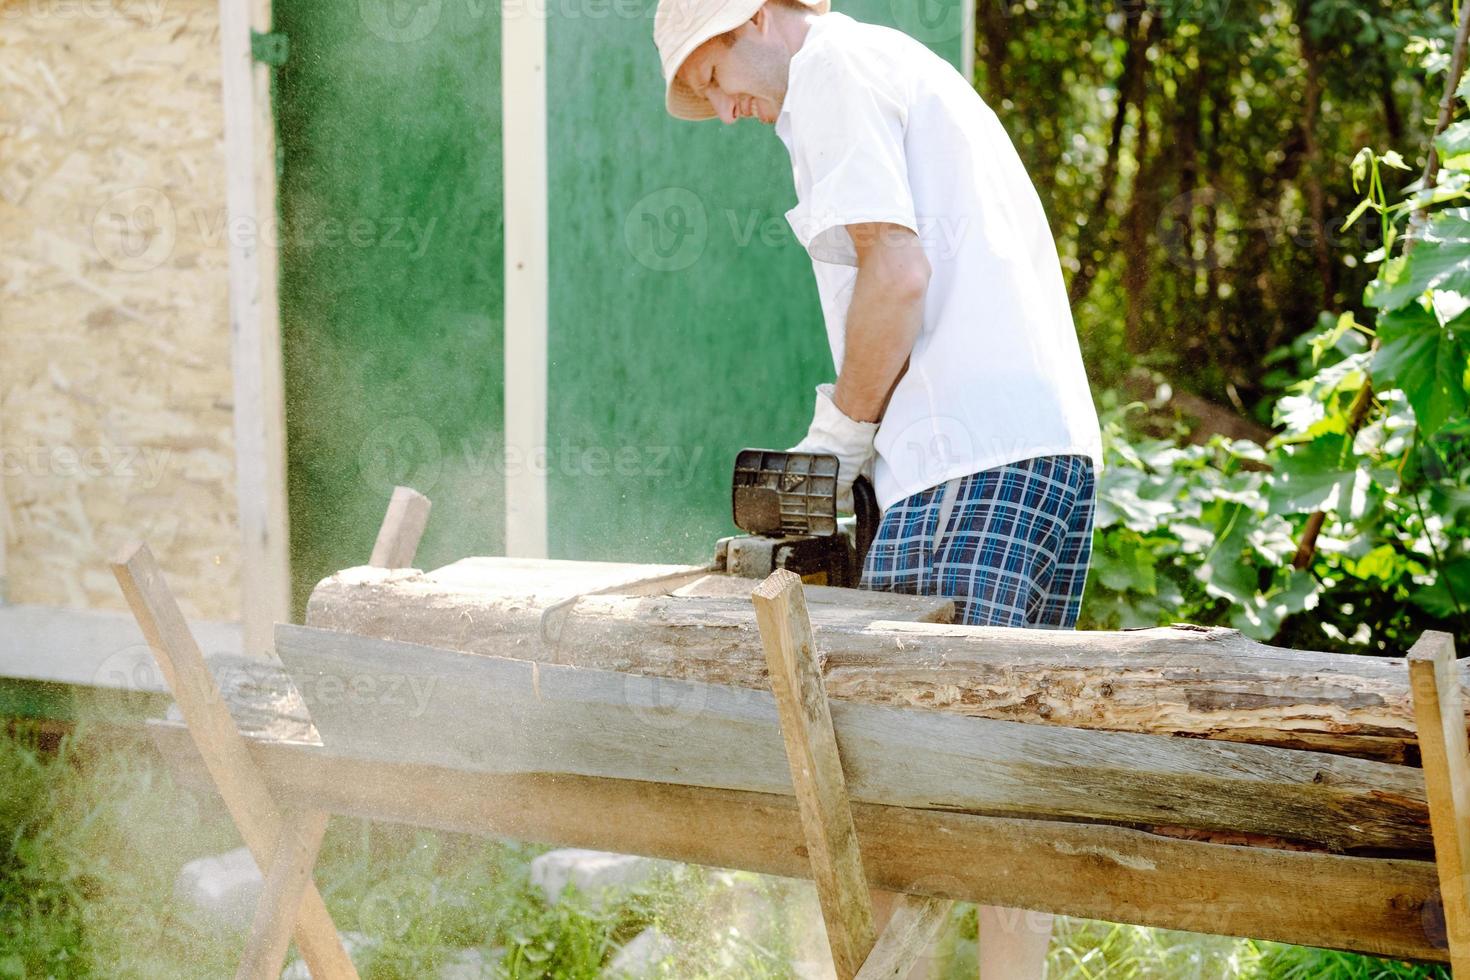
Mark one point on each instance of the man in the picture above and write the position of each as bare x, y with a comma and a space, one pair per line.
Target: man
960, 385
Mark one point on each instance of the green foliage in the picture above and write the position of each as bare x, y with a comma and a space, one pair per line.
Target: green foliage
1280, 962
92, 839
1373, 430
1087, 950
93, 832
1186, 534
1188, 153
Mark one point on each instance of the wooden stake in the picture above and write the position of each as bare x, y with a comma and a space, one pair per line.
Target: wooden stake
280, 898
1438, 709
816, 770
403, 526
916, 920
223, 749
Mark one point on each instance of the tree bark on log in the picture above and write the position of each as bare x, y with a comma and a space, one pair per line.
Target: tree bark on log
400, 702
1183, 680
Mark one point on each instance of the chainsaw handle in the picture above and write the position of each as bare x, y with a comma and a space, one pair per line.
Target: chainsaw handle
865, 507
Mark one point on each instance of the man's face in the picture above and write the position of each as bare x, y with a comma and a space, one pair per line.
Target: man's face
743, 73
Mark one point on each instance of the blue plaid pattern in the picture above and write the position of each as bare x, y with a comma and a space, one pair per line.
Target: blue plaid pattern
1014, 549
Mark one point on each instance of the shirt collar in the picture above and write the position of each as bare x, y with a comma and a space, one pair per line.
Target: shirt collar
818, 25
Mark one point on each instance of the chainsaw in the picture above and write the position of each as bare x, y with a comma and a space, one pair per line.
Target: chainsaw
786, 502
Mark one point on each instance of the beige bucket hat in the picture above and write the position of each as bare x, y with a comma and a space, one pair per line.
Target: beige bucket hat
681, 26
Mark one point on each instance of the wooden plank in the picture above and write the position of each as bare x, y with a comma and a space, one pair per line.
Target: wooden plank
916, 920
97, 648
1203, 683
255, 326
402, 702
1380, 906
527, 274
231, 769
1447, 775
403, 526
280, 896
816, 770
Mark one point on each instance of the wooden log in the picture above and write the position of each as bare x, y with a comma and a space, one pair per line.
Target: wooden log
280, 896
407, 703
516, 599
816, 771
1447, 775
1190, 681
231, 770
1380, 906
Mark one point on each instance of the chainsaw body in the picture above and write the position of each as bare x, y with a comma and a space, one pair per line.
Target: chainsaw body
787, 504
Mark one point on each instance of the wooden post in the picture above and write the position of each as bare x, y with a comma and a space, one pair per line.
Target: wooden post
527, 274
816, 770
1441, 718
255, 326
220, 744
403, 526
916, 920
280, 898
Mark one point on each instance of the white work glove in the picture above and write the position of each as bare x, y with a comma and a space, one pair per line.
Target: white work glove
849, 440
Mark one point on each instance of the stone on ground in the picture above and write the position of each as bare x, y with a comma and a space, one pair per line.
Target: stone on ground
457, 964
642, 956
222, 887
594, 873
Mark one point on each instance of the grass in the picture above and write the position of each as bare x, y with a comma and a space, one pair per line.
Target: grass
94, 830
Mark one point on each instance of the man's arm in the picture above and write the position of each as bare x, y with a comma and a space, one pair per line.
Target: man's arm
884, 319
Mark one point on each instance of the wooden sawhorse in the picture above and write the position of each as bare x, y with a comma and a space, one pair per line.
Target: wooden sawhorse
285, 840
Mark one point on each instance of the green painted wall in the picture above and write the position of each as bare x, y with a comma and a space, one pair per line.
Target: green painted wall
684, 317
388, 117
665, 357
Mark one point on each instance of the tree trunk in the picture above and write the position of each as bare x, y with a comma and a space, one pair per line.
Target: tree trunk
994, 29
1189, 681
1130, 91
400, 702
1312, 165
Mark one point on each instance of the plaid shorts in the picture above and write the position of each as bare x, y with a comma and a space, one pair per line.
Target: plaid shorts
1009, 545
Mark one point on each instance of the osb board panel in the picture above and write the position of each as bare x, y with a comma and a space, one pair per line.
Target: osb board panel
115, 383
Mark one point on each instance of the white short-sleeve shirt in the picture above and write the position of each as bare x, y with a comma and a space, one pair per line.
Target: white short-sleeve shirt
880, 129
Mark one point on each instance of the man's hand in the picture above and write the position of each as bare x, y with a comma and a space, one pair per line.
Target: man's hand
884, 319
850, 441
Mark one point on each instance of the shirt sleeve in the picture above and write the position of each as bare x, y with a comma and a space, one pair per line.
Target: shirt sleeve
848, 137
